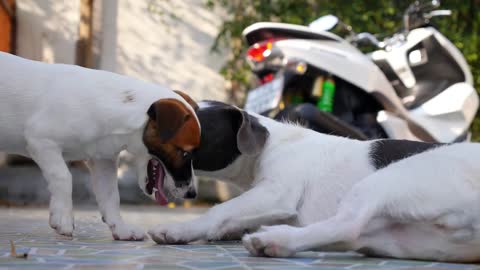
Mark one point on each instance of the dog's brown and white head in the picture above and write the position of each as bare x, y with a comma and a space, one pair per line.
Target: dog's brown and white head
171, 133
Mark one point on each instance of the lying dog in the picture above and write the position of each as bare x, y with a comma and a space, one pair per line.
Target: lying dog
296, 176
423, 207
55, 113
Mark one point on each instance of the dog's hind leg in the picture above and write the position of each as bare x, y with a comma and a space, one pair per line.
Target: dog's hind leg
339, 231
105, 187
48, 156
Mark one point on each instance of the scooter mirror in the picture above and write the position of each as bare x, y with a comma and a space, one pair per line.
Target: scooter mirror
324, 23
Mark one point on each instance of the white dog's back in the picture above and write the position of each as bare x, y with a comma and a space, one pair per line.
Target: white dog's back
314, 166
34, 92
437, 177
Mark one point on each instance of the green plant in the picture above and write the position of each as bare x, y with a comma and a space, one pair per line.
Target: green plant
382, 16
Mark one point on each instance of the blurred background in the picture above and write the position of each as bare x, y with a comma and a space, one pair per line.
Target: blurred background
195, 46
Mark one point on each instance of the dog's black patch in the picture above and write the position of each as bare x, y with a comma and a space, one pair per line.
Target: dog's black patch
384, 152
218, 143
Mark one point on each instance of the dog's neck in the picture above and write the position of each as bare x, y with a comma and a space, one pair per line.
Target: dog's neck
240, 173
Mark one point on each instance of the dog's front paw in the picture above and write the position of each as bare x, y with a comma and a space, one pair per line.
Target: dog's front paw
127, 232
62, 222
172, 234
271, 241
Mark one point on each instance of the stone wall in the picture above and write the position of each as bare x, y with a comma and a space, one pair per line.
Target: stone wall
47, 30
136, 38
153, 46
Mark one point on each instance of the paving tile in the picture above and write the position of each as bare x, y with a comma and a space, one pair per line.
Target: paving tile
93, 248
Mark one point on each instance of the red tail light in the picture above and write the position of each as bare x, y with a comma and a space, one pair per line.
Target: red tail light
267, 78
259, 51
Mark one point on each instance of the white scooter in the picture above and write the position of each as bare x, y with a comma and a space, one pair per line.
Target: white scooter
416, 85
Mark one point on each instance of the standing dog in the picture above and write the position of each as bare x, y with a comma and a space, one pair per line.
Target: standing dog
347, 192
54, 113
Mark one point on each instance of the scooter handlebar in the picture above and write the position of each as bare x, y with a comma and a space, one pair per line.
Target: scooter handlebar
418, 14
366, 38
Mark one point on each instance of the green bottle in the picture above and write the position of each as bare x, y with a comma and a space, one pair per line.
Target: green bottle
325, 103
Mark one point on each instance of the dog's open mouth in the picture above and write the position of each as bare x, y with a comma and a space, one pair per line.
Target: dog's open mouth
155, 181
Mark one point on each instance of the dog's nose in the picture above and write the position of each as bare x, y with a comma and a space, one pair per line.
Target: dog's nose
191, 194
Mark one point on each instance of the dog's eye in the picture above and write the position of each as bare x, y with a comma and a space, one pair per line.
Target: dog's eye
184, 154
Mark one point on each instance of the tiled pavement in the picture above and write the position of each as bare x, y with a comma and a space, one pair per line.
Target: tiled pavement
93, 248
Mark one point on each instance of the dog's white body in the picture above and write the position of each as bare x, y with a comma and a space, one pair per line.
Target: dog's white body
54, 113
296, 168
39, 97
424, 207
324, 184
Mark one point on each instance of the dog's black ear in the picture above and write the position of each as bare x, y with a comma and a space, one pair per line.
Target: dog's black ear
251, 135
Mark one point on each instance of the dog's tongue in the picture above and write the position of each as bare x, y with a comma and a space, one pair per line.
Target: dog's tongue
159, 195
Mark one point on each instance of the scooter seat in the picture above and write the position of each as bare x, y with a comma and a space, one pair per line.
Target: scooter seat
320, 121
266, 30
